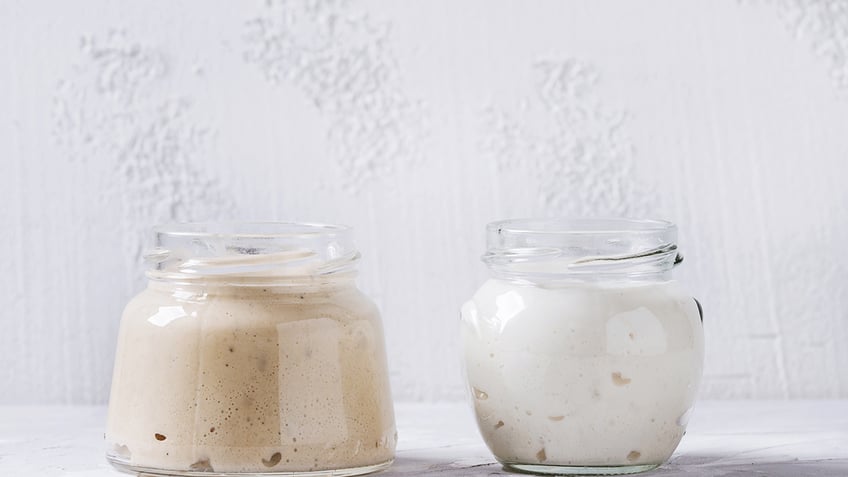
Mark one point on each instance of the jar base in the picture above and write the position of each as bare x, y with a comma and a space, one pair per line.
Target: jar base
540, 469
149, 472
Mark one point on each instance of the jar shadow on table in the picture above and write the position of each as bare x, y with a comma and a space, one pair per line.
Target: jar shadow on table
717, 465
406, 465
690, 465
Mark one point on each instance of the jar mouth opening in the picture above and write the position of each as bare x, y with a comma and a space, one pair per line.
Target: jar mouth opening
256, 230
582, 248
580, 226
251, 252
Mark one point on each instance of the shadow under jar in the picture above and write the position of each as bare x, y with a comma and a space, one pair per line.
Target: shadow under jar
251, 352
582, 355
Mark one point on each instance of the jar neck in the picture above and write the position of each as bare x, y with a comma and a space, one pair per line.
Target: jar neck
309, 285
553, 252
561, 280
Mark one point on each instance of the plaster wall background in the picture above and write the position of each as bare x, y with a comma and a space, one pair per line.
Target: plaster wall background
418, 122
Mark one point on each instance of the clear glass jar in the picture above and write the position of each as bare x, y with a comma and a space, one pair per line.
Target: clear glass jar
251, 352
582, 355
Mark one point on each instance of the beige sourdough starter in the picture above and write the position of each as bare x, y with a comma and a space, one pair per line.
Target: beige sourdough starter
229, 376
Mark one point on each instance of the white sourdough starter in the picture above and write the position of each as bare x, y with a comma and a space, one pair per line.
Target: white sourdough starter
250, 379
584, 374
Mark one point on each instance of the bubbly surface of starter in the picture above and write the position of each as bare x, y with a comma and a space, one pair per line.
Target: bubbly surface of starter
582, 375
250, 379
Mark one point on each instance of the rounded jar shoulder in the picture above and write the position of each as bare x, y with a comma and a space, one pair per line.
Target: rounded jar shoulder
613, 318
164, 306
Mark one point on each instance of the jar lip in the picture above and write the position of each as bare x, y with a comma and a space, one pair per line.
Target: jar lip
580, 225
250, 251
594, 248
260, 230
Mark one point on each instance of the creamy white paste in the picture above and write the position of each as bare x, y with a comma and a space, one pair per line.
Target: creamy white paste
582, 374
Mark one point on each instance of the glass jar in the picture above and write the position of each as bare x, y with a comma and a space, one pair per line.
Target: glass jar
251, 352
582, 355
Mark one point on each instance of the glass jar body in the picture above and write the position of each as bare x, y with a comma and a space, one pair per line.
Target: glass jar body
588, 377
251, 380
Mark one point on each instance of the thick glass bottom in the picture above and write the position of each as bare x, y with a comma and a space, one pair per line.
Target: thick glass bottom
144, 471
578, 470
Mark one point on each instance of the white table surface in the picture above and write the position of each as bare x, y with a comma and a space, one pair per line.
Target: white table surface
728, 438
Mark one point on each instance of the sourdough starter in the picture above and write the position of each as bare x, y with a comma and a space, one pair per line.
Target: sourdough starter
583, 374
229, 378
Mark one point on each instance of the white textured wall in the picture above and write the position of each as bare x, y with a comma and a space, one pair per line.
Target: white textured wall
418, 122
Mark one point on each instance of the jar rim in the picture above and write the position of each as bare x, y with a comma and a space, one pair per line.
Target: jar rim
580, 225
536, 249
252, 252
262, 230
